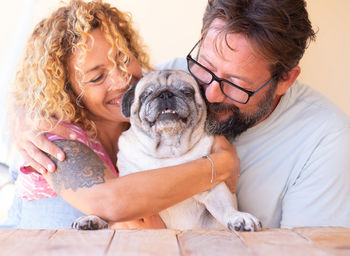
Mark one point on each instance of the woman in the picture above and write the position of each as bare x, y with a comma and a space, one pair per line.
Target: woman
78, 64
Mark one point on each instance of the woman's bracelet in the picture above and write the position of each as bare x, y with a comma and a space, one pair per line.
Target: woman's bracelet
213, 171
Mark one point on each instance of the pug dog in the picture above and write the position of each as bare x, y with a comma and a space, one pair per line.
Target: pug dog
167, 115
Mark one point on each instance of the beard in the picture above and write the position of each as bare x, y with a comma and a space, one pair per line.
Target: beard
238, 122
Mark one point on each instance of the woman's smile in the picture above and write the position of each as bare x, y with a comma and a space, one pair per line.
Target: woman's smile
115, 101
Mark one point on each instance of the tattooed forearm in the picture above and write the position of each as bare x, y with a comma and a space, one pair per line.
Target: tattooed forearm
82, 168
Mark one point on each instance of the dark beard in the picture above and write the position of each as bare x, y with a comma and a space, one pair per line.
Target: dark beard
238, 122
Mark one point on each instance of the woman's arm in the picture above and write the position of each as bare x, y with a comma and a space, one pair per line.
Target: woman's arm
86, 182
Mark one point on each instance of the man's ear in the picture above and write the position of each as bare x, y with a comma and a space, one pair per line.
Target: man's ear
287, 80
128, 99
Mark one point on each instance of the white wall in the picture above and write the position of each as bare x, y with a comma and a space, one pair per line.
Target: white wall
170, 28
15, 26
326, 64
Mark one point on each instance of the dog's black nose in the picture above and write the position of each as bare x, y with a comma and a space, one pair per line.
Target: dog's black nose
166, 95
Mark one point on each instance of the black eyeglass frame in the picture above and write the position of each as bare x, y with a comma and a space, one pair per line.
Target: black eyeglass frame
220, 80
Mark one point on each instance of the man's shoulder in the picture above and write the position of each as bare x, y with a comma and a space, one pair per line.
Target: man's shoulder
301, 113
309, 104
175, 63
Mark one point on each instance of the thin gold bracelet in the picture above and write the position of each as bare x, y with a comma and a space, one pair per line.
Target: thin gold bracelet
213, 171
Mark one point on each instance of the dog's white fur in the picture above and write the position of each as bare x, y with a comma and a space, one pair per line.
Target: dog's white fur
143, 147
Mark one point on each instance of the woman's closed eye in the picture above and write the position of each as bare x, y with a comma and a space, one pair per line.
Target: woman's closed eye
97, 79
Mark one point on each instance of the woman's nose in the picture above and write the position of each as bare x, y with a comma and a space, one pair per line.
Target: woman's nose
213, 93
116, 80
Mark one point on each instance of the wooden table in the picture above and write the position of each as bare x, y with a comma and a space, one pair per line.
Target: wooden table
298, 241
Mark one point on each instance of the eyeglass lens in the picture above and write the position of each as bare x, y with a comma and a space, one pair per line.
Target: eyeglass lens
204, 76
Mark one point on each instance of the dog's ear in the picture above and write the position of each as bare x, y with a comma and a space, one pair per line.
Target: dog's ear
128, 99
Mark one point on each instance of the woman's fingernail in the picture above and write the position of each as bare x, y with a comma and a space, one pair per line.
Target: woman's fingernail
60, 156
50, 167
42, 170
73, 136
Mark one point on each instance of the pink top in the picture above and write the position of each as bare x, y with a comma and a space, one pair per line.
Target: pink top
31, 185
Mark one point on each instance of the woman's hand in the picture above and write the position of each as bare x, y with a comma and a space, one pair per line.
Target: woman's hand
221, 144
229, 155
152, 222
32, 146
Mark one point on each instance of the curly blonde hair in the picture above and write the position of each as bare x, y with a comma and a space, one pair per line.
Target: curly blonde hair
42, 85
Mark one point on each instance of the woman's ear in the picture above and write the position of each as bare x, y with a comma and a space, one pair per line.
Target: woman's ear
287, 80
127, 100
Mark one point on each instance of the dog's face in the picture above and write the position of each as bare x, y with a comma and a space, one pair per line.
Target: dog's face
165, 102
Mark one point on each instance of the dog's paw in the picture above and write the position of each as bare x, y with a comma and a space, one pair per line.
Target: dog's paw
89, 222
242, 221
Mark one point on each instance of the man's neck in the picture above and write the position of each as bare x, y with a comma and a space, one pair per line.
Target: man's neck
276, 101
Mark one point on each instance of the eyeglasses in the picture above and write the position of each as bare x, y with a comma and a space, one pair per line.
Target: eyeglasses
229, 89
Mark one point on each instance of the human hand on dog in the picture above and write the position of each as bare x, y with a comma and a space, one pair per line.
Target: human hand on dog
32, 146
228, 155
152, 222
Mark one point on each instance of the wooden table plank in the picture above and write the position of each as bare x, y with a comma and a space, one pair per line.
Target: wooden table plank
334, 240
272, 236
145, 243
336, 252
336, 237
77, 242
211, 242
279, 242
23, 241
318, 241
265, 248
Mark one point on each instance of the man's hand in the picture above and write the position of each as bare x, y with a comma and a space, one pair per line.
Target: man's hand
32, 146
152, 222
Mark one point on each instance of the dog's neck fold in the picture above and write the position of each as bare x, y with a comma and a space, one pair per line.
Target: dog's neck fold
166, 145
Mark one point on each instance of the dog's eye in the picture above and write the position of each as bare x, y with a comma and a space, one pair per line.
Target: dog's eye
144, 95
188, 92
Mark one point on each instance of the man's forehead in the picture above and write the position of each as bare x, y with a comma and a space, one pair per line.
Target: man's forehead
217, 24
227, 46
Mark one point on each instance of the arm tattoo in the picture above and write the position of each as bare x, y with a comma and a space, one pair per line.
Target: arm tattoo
82, 168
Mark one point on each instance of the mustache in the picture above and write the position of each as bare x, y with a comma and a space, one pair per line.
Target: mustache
218, 107
222, 107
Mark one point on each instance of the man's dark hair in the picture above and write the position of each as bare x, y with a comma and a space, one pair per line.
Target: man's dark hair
279, 30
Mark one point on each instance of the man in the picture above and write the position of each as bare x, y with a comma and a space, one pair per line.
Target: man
293, 143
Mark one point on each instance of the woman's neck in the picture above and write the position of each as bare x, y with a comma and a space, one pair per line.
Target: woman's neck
109, 135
